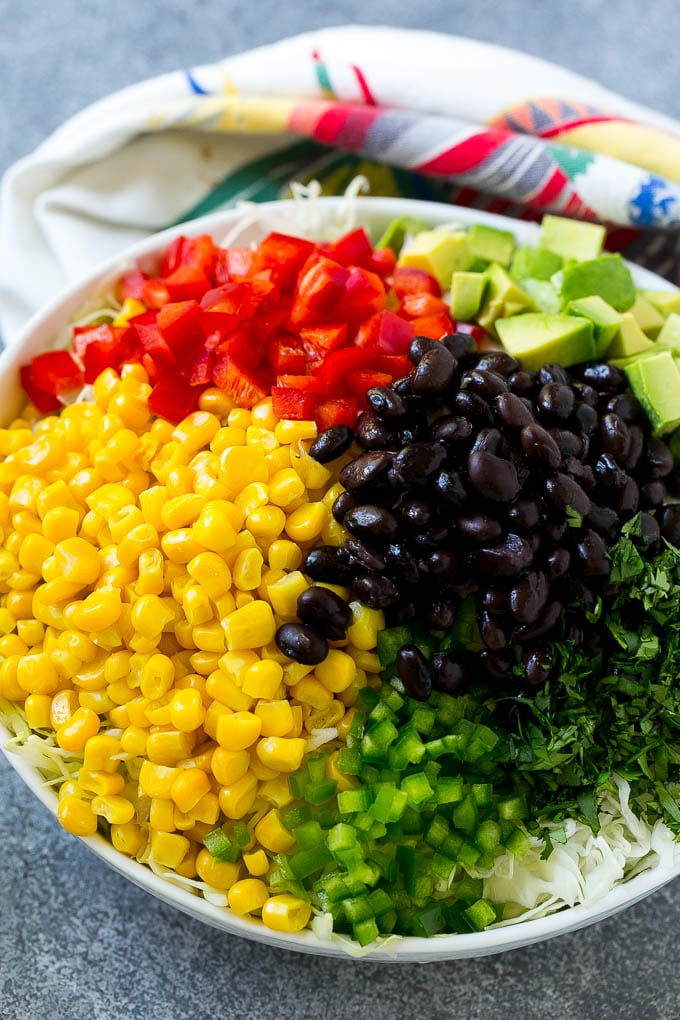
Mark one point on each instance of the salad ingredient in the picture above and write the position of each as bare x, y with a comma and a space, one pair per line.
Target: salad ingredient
491, 244
537, 337
607, 276
438, 253
572, 239
467, 294
655, 381
605, 319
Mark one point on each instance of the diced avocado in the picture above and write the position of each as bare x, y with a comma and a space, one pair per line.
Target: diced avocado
572, 239
608, 276
467, 294
605, 319
655, 381
629, 339
649, 319
477, 265
665, 301
538, 337
396, 231
504, 297
542, 293
534, 263
670, 333
491, 244
438, 252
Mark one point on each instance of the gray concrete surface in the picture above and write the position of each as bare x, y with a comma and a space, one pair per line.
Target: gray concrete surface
76, 940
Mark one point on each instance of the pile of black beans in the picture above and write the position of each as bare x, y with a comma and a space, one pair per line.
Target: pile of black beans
478, 477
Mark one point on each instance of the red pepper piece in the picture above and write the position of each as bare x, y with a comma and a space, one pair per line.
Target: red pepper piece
152, 342
383, 262
353, 249
413, 306
173, 398
289, 402
319, 340
187, 282
104, 346
283, 257
364, 295
45, 402
286, 355
340, 411
155, 294
406, 280
359, 382
387, 331
338, 364
180, 325
397, 365
434, 326
242, 298
321, 284
233, 262
56, 372
132, 285
198, 252
308, 383
241, 383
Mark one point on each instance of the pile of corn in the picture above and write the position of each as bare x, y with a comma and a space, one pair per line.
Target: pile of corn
144, 570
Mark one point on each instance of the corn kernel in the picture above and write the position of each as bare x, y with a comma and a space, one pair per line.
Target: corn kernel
150, 570
239, 417
133, 740
285, 592
168, 747
208, 809
272, 834
37, 709
37, 674
127, 838
224, 688
237, 799
251, 626
289, 432
150, 615
76, 816
100, 753
306, 523
31, 632
247, 896
363, 630
337, 671
77, 561
215, 401
196, 605
158, 676
12, 644
241, 465
311, 691
98, 610
238, 731
188, 788
103, 784
247, 569
168, 849
209, 637
217, 874
276, 717
34, 551
266, 522
156, 780
257, 863
229, 766
262, 679
326, 717
186, 710
284, 555
180, 545
276, 791
286, 913
284, 754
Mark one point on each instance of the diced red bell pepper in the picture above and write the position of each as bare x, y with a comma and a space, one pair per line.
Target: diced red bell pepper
56, 372
364, 294
242, 298
433, 326
340, 411
397, 365
240, 382
198, 252
407, 280
325, 338
103, 346
286, 355
155, 294
321, 285
45, 402
352, 249
132, 285
173, 398
359, 382
413, 306
152, 342
338, 364
290, 402
309, 383
383, 262
283, 257
387, 331
180, 325
200, 371
233, 262
187, 282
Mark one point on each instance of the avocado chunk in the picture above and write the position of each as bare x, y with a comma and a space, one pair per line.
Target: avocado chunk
504, 297
608, 276
605, 319
629, 340
439, 252
491, 244
538, 337
467, 294
655, 381
395, 232
542, 293
670, 333
665, 301
534, 264
572, 239
649, 319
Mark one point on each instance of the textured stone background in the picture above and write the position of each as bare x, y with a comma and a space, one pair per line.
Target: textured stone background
76, 940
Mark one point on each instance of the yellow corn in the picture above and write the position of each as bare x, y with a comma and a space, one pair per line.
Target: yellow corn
168, 848
337, 671
229, 766
286, 912
237, 799
77, 816
37, 708
272, 834
162, 814
276, 717
218, 874
247, 896
133, 740
262, 679
104, 784
283, 754
186, 710
100, 753
168, 747
306, 523
188, 787
363, 630
284, 592
238, 731
156, 780
241, 465
127, 837
247, 569
256, 862
251, 626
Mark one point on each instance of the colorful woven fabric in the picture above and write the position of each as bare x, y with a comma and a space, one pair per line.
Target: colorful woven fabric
420, 114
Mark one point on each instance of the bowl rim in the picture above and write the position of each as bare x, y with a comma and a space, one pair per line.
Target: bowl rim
44, 324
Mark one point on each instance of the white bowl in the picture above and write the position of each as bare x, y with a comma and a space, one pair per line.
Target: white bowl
39, 335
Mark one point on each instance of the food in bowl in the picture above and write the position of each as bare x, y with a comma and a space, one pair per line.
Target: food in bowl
326, 607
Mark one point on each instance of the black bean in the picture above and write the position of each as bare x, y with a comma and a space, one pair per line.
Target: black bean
512, 412
440, 615
419, 347
636, 447
586, 394
552, 373
495, 601
470, 405
414, 672
499, 362
416, 512
449, 485
568, 443
364, 556
507, 558
328, 563
461, 346
401, 564
672, 483
375, 591
537, 666
478, 527
555, 402
586, 418
528, 597
495, 666
525, 513
448, 674
451, 430
555, 528
434, 372
385, 402
558, 563
592, 555
441, 563
582, 473
486, 384
402, 386
545, 623
539, 445
615, 436
371, 433
659, 458
604, 520
342, 504
604, 378
670, 524
325, 611
564, 492
649, 532
652, 493
493, 477
625, 405
365, 469
492, 634
301, 643
417, 461
524, 383
373, 522
608, 472
627, 498
331, 443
